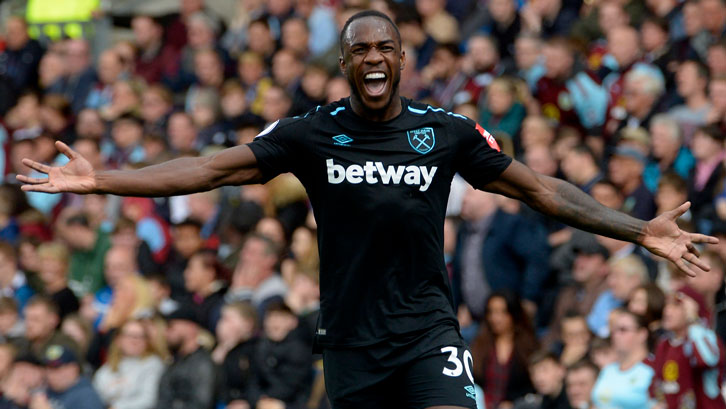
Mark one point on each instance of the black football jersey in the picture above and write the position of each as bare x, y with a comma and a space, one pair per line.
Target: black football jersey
379, 192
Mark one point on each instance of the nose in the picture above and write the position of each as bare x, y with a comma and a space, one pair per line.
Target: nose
373, 56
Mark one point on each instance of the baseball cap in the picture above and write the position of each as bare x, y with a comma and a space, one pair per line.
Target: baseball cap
688, 291
588, 244
58, 355
185, 313
629, 152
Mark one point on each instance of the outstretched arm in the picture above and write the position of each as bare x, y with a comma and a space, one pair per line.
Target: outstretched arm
236, 165
568, 204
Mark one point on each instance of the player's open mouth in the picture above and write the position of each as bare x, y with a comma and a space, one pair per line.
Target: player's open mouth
375, 83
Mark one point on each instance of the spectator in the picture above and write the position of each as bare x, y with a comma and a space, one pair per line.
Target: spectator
188, 383
580, 166
648, 300
281, 359
110, 69
155, 60
24, 380
437, 22
625, 170
54, 274
669, 153
19, 61
692, 80
129, 292
126, 148
186, 240
626, 274
689, 364
156, 106
41, 323
579, 381
589, 272
205, 279
254, 278
708, 150
502, 114
67, 386
12, 327
235, 352
548, 376
88, 249
643, 87
525, 274
80, 75
624, 384
576, 337
413, 34
13, 282
501, 350
130, 377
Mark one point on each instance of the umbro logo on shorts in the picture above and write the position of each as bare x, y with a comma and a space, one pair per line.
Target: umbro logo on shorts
470, 392
375, 172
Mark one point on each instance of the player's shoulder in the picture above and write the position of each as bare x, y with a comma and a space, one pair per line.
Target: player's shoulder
421, 109
323, 112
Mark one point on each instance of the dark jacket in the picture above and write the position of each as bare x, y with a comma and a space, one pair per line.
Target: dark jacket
283, 370
188, 383
237, 371
514, 255
79, 396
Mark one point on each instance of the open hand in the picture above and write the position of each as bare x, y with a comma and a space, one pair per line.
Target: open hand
664, 238
77, 176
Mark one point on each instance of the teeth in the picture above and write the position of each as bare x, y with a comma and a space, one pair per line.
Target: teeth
375, 76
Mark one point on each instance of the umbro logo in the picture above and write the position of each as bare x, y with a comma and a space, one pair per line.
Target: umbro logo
470, 392
342, 140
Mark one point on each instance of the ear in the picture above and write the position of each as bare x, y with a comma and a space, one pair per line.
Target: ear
403, 59
341, 64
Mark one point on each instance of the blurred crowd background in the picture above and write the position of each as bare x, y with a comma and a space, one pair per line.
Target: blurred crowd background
210, 300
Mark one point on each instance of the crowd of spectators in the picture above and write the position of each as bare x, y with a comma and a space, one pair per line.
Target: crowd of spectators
210, 300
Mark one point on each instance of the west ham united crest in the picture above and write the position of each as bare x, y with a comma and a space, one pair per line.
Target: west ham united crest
422, 140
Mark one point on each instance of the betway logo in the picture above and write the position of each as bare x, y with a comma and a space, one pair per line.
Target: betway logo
376, 172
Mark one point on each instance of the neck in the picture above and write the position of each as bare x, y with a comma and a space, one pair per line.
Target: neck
587, 174
635, 356
55, 286
386, 113
667, 159
189, 347
697, 101
630, 185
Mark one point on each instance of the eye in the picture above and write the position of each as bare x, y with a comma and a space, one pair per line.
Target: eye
357, 50
386, 49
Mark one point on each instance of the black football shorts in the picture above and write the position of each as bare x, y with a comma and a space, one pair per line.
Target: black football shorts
434, 370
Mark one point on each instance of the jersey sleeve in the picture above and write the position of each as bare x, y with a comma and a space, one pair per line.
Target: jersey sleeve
702, 347
277, 147
479, 158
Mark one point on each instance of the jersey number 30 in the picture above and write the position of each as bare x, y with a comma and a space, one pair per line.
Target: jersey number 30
458, 366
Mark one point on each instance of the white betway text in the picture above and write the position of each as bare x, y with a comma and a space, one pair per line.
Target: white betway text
377, 172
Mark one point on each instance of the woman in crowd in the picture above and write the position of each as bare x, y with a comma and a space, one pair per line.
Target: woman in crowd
624, 384
502, 349
130, 377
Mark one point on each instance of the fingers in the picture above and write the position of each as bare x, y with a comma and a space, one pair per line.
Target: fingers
691, 258
34, 181
702, 238
65, 149
681, 266
36, 166
44, 187
678, 212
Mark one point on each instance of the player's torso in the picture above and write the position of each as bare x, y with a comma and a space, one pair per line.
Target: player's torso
406, 161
